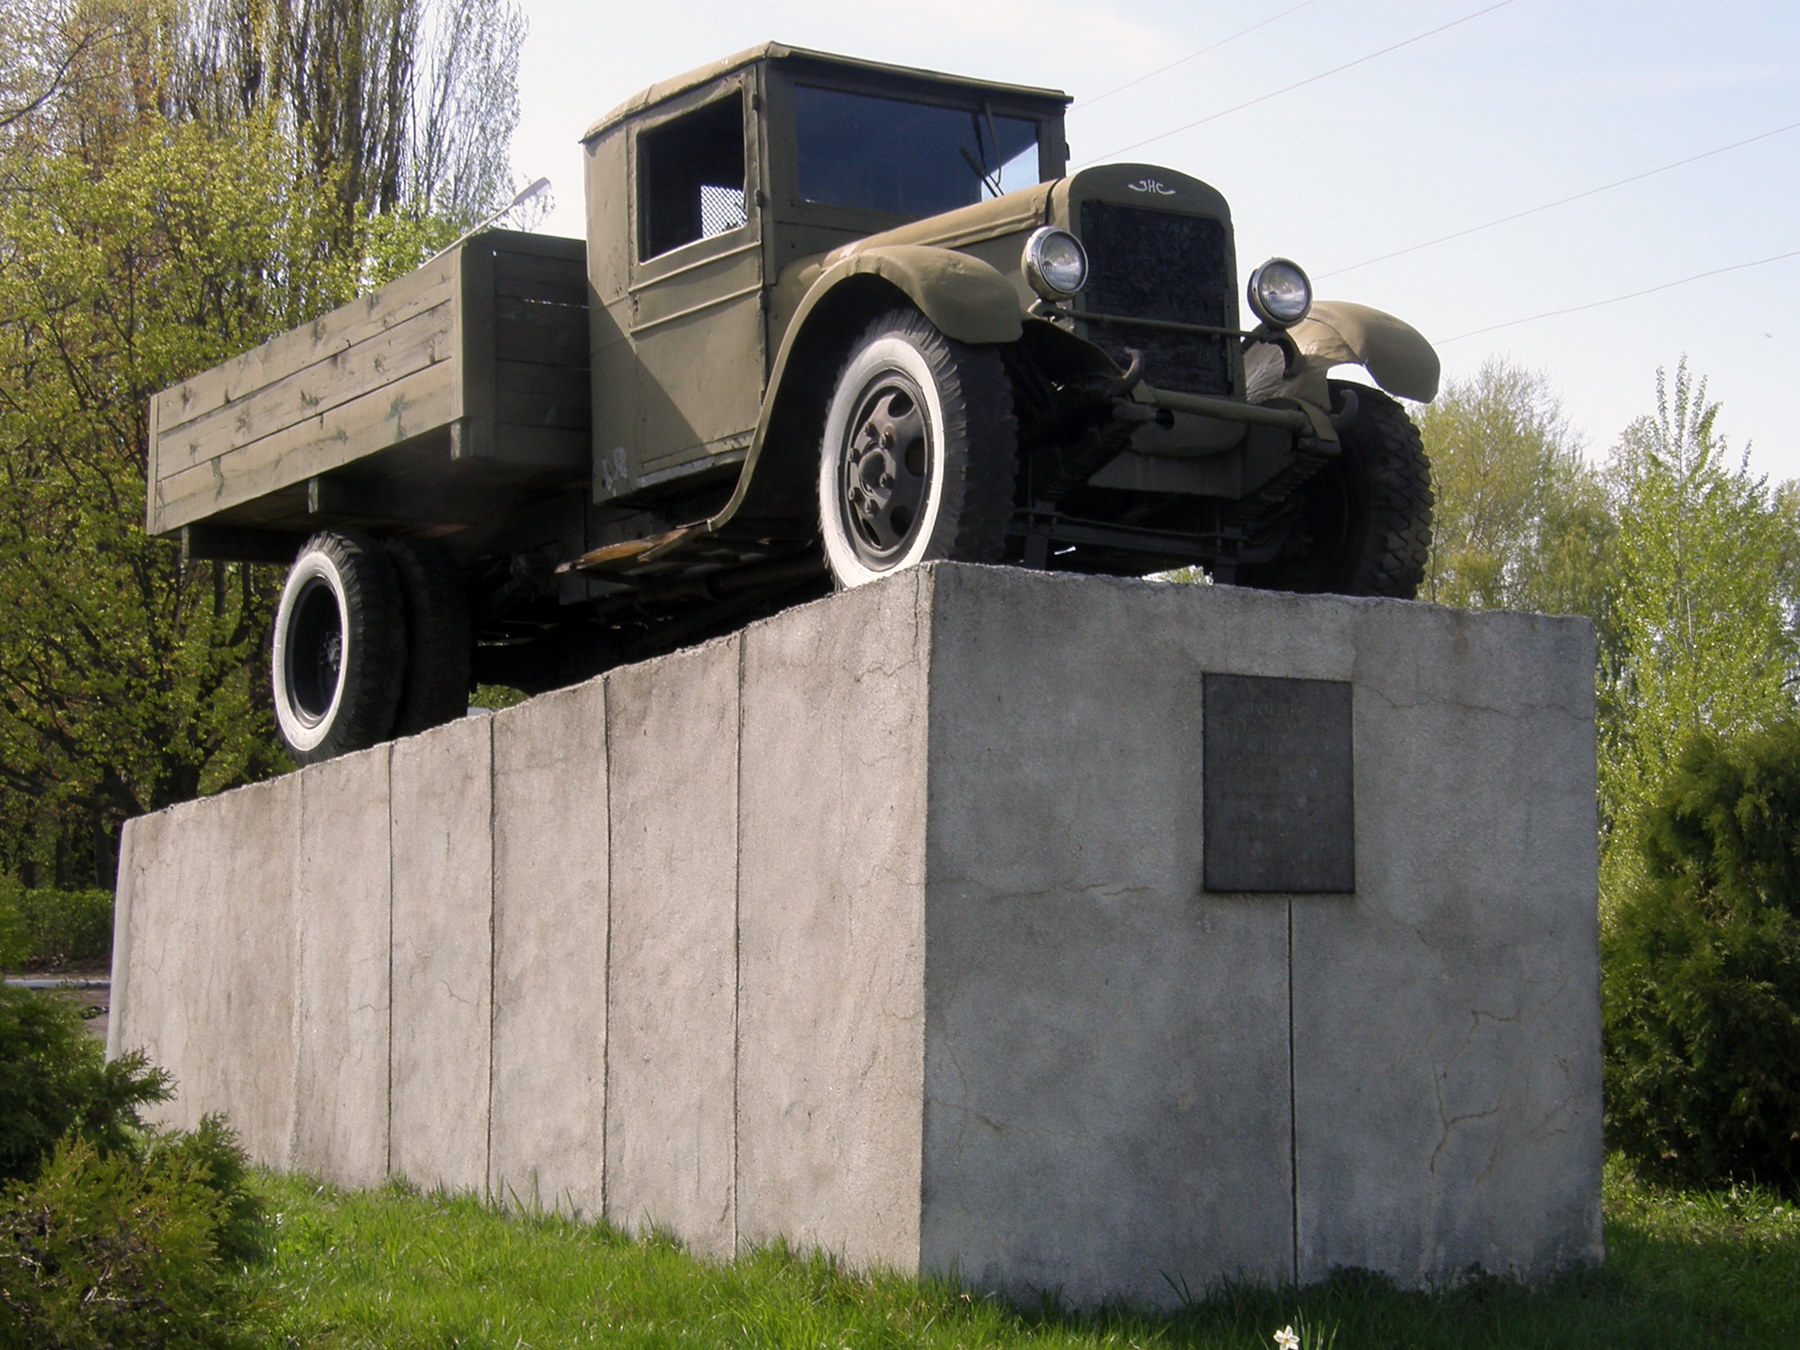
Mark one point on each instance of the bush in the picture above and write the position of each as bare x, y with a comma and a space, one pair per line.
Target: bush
45, 929
110, 1234
54, 1080
109, 1250
1701, 989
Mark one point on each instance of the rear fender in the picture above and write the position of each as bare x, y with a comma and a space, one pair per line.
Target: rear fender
1337, 333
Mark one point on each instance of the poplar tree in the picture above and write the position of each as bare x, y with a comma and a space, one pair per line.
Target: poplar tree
1703, 594
176, 185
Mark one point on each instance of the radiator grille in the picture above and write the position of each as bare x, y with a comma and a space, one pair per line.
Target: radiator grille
1157, 265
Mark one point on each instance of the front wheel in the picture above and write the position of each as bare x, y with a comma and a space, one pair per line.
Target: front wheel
920, 453
1363, 523
339, 657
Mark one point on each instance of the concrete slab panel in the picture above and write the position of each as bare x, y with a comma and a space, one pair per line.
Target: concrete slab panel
880, 928
342, 967
210, 995
1446, 1018
1107, 1091
136, 860
442, 814
550, 911
831, 921
672, 745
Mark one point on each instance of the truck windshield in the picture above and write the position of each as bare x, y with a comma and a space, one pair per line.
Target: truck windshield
907, 159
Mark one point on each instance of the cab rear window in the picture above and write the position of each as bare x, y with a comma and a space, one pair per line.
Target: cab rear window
907, 159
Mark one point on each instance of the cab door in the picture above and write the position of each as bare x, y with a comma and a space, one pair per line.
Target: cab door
693, 317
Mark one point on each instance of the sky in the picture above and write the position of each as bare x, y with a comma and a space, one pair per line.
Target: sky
1511, 106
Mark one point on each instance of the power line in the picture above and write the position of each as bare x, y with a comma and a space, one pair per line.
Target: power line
1618, 299
1191, 56
1560, 201
1300, 84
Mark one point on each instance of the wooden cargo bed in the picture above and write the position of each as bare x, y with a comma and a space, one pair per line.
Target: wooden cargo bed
453, 395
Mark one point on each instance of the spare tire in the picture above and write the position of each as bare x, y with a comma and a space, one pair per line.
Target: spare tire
438, 645
339, 655
1363, 523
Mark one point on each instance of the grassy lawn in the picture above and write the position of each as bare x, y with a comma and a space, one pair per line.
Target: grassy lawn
394, 1269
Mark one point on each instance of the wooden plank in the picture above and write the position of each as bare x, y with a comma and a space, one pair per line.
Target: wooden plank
548, 335
541, 396
150, 463
558, 281
475, 335
326, 336
385, 357
422, 402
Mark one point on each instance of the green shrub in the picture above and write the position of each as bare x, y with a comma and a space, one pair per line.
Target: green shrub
54, 1079
212, 1155
46, 929
15, 941
1701, 990
114, 1250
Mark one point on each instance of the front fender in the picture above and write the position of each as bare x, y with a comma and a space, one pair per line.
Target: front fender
1394, 352
1337, 333
965, 297
968, 299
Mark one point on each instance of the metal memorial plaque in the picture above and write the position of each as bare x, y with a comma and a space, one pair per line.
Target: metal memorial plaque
1279, 794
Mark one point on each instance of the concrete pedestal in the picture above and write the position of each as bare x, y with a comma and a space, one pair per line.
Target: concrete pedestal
883, 926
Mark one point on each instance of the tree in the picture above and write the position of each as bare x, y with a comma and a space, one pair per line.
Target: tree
1521, 520
130, 679
409, 105
1701, 994
179, 181
1704, 560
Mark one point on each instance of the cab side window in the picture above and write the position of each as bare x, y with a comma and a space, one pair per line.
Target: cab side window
691, 177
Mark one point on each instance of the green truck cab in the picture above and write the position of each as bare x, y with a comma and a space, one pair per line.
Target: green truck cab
832, 319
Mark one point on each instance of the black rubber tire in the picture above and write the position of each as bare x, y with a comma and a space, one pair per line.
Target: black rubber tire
339, 655
1365, 516
955, 502
438, 641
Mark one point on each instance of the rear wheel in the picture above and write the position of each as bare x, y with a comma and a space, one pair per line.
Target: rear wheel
340, 648
438, 645
1364, 519
919, 455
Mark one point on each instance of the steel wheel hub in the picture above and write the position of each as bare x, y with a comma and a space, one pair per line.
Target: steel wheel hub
886, 477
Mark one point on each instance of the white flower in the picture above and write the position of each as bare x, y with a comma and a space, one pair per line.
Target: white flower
1287, 1339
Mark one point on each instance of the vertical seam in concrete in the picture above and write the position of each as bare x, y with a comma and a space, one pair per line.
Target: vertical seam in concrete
1293, 1101
493, 957
388, 1158
297, 1017
606, 970
737, 936
924, 594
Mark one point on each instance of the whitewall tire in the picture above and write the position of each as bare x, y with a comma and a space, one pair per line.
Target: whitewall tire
919, 454
339, 657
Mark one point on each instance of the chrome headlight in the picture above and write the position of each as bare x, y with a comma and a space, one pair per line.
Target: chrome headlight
1280, 294
1056, 264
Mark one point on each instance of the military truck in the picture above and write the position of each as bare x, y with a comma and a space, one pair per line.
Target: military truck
832, 318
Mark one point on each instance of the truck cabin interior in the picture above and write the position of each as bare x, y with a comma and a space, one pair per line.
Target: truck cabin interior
691, 177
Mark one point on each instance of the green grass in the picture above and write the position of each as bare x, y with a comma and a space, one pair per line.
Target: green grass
397, 1269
